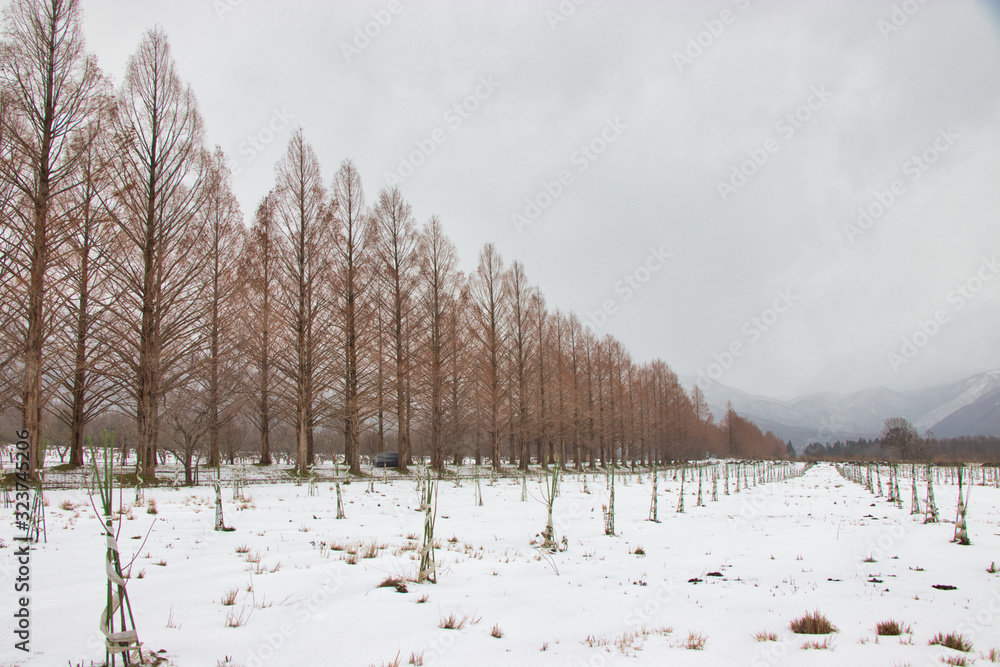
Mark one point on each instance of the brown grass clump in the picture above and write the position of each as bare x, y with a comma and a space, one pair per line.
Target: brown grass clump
890, 628
394, 582
813, 623
452, 622
952, 640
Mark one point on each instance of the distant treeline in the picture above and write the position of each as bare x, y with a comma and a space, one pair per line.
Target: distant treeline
971, 449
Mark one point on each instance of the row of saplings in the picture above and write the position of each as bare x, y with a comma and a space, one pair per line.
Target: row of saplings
862, 474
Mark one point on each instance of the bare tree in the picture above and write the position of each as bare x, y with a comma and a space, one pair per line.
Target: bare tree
573, 400
49, 88
899, 435
159, 182
353, 280
88, 293
457, 409
542, 431
559, 335
14, 270
259, 271
223, 240
440, 280
398, 266
701, 409
519, 294
302, 216
488, 316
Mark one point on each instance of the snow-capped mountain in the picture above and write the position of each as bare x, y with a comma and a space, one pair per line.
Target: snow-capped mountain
967, 407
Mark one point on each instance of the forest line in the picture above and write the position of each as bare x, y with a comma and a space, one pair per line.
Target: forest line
134, 293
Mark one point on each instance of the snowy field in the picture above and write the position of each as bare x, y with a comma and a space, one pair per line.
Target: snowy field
693, 589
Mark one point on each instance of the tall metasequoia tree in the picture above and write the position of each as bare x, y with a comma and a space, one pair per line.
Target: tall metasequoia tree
222, 325
354, 275
303, 220
521, 343
731, 427
49, 89
488, 314
88, 293
456, 370
159, 181
440, 278
542, 416
559, 403
573, 331
598, 360
398, 265
260, 276
13, 272
701, 409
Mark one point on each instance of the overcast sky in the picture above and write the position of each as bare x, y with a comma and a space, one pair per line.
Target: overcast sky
717, 153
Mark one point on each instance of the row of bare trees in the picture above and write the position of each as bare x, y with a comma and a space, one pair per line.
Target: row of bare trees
131, 286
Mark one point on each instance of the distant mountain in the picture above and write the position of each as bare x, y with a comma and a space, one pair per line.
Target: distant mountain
981, 417
967, 407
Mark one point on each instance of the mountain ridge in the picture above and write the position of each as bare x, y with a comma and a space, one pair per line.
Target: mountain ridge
966, 407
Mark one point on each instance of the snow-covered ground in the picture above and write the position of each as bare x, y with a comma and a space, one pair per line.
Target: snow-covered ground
782, 549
